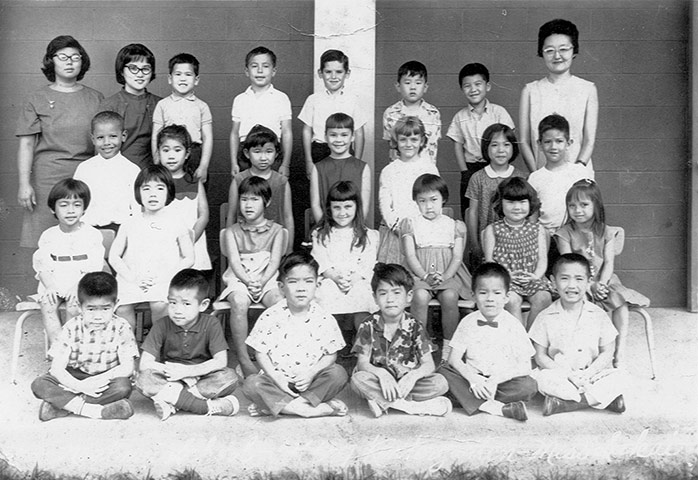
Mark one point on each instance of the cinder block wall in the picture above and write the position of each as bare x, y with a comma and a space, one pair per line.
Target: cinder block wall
635, 52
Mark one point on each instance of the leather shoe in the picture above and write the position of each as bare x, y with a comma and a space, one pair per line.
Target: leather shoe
617, 405
553, 405
515, 410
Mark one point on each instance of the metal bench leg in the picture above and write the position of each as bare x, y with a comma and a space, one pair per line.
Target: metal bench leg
17, 344
649, 333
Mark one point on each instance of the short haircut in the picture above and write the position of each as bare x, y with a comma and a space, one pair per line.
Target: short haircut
515, 189
489, 134
175, 132
472, 69
261, 50
97, 285
59, 43
413, 68
190, 278
107, 116
493, 270
558, 27
296, 259
407, 126
339, 120
69, 188
133, 52
255, 186
259, 136
393, 274
429, 182
157, 173
334, 56
181, 58
554, 122
569, 259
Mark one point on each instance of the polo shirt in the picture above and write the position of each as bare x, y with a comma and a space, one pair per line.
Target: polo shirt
467, 128
269, 108
319, 106
189, 111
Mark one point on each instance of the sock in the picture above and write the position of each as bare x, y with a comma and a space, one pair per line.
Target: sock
194, 390
169, 393
91, 410
446, 350
493, 407
190, 403
74, 405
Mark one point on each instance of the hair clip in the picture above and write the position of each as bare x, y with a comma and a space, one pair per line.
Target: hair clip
589, 181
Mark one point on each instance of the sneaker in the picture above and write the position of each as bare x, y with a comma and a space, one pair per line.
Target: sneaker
515, 410
119, 410
224, 406
164, 409
437, 407
553, 405
49, 412
617, 405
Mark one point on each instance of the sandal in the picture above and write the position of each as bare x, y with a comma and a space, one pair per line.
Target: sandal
339, 408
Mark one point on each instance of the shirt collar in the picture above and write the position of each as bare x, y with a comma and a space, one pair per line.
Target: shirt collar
91, 329
176, 98
194, 328
379, 324
558, 310
492, 174
471, 109
331, 95
269, 90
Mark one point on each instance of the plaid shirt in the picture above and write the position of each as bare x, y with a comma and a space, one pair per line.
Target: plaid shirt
428, 114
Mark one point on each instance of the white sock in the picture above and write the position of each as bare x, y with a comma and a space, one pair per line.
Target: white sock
91, 410
75, 405
493, 407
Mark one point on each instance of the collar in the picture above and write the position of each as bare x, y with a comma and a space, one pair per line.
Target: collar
492, 174
422, 104
176, 98
471, 109
264, 227
557, 309
379, 324
194, 328
269, 90
90, 329
331, 95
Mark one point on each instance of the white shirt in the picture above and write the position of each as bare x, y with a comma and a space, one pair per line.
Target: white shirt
269, 108
319, 106
552, 187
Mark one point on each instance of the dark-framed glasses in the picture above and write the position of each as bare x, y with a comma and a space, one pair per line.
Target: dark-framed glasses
134, 69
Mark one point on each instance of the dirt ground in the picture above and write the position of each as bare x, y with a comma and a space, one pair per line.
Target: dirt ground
659, 425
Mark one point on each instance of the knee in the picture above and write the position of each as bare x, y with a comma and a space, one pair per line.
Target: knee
360, 379
529, 387
448, 298
440, 383
338, 374
239, 301
121, 387
515, 300
251, 385
39, 386
148, 382
220, 383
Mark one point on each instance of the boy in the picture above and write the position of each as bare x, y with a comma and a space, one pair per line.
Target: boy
394, 367
109, 174
334, 70
340, 165
412, 85
574, 342
469, 124
261, 104
296, 344
558, 175
182, 107
490, 361
183, 366
92, 360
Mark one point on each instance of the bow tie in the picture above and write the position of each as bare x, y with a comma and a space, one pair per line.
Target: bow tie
481, 323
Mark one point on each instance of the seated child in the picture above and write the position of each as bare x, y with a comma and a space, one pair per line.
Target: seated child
296, 343
109, 174
66, 252
574, 341
92, 360
395, 368
183, 365
490, 362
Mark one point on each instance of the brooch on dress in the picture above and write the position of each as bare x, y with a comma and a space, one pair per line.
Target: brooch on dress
51, 103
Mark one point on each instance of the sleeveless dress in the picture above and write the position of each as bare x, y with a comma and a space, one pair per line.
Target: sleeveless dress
186, 205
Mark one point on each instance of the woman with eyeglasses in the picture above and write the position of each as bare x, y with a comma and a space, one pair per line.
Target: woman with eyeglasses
135, 69
54, 132
559, 92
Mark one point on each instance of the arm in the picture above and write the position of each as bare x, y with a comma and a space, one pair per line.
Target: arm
148, 362
385, 378
366, 183
478, 383
25, 159
177, 371
542, 264
201, 213
458, 248
563, 245
307, 149
154, 142
234, 257
278, 377
93, 386
359, 142
460, 155
591, 119
118, 248
385, 203
278, 248
232, 216
545, 361
206, 150
525, 131
407, 382
609, 257
287, 146
303, 381
315, 201
410, 251
288, 217
603, 361
186, 250
471, 221
488, 243
234, 148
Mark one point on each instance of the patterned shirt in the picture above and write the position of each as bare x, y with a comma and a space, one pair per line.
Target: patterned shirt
428, 114
467, 128
400, 355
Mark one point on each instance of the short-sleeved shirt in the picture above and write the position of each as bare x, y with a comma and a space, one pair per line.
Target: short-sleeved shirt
277, 205
95, 350
199, 343
320, 105
268, 108
400, 355
493, 350
189, 111
427, 113
467, 128
482, 187
295, 343
552, 187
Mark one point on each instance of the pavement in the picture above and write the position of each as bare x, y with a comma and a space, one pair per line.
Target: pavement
658, 427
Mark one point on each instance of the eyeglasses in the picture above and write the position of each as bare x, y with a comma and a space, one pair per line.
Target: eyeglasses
147, 70
563, 51
76, 57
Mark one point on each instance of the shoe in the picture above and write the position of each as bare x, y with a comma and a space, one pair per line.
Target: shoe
515, 410
553, 405
119, 410
375, 408
617, 405
224, 406
49, 412
438, 407
164, 409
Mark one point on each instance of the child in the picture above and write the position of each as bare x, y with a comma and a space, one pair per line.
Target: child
66, 252
334, 70
296, 343
93, 359
562, 93
433, 244
521, 246
490, 362
587, 234
340, 165
574, 342
412, 85
558, 175
254, 246
394, 367
174, 146
109, 174
135, 69
151, 247
346, 252
262, 148
182, 107
261, 104
395, 185
499, 149
468, 125
184, 360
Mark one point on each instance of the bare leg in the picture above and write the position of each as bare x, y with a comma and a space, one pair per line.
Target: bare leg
240, 304
271, 297
514, 306
449, 312
52, 322
158, 310
620, 320
301, 407
128, 313
420, 305
539, 302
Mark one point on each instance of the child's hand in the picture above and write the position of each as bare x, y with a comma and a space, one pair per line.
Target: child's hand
388, 386
235, 170
284, 170
522, 278
302, 381
94, 386
255, 289
174, 371
599, 291
146, 283
51, 297
480, 388
434, 279
405, 385
201, 174
282, 382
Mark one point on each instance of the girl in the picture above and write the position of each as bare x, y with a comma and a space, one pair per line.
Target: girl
433, 244
254, 246
151, 247
346, 251
135, 69
262, 148
586, 233
521, 245
66, 253
499, 149
395, 183
562, 93
174, 144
